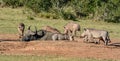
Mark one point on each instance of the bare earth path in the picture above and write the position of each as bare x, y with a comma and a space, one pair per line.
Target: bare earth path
11, 46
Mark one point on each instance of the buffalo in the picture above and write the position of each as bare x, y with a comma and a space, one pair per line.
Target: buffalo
37, 35
30, 35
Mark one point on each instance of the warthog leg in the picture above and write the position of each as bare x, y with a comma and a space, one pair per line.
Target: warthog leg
105, 40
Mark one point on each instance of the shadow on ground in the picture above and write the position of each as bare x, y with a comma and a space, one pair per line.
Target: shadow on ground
115, 44
9, 40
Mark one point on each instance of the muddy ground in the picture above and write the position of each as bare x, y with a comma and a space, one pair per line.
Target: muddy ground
10, 45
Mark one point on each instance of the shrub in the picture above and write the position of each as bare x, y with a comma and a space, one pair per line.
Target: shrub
106, 10
39, 5
68, 16
13, 3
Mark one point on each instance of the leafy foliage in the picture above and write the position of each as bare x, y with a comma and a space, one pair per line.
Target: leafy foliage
107, 10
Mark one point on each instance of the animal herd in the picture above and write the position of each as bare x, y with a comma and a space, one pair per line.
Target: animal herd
70, 31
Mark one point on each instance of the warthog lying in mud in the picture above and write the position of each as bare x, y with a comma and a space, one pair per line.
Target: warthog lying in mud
38, 35
90, 34
71, 28
50, 29
54, 36
21, 28
62, 37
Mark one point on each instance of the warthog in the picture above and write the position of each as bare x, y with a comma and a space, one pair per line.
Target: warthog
89, 34
62, 37
21, 28
71, 28
50, 29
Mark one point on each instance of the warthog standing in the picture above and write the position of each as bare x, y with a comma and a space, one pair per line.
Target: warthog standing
62, 37
21, 28
50, 29
71, 28
91, 34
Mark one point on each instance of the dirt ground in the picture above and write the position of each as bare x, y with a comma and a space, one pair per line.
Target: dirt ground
10, 45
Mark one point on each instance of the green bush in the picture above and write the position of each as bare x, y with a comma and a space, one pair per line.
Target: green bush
13, 3
68, 16
105, 10
39, 5
115, 19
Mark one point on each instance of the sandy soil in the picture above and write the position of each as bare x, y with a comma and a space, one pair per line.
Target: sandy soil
11, 46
